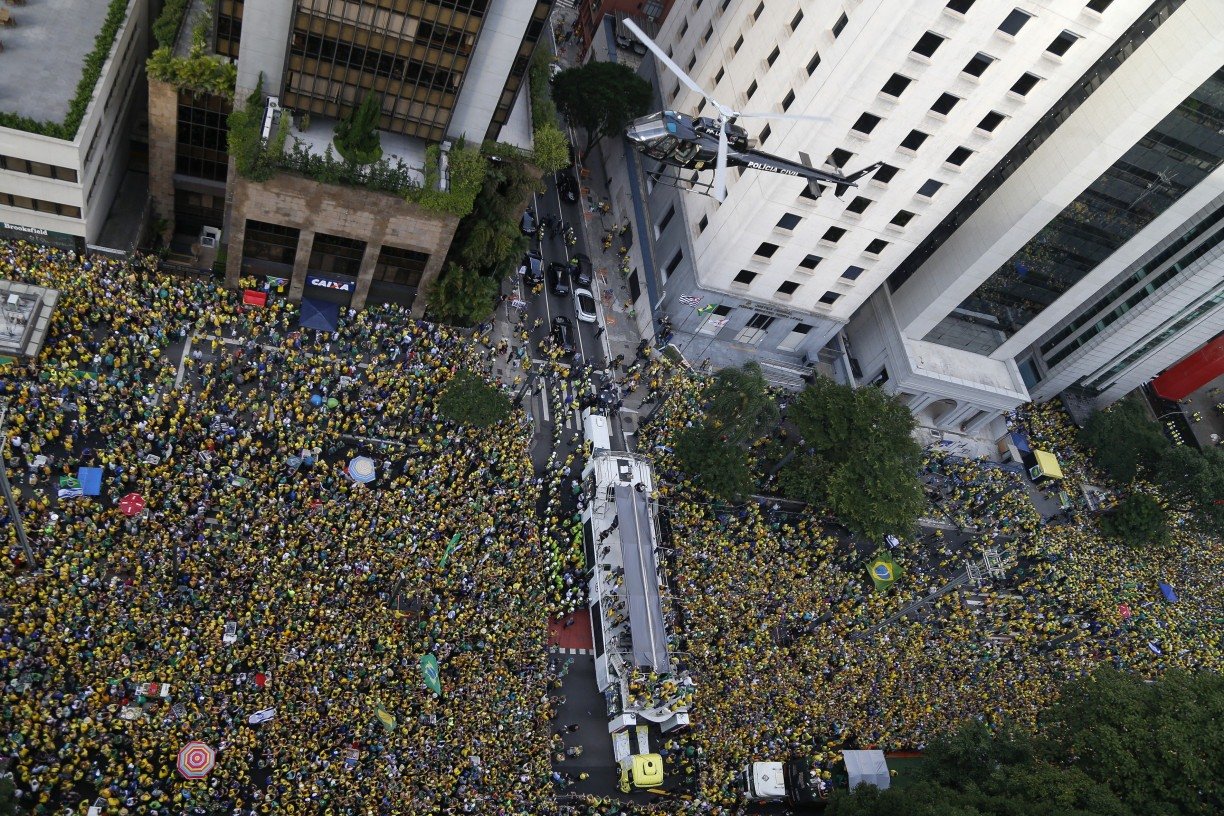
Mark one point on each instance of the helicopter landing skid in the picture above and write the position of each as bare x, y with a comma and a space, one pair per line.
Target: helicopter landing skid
683, 179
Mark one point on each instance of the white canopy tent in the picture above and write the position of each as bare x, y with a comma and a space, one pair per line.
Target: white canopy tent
866, 766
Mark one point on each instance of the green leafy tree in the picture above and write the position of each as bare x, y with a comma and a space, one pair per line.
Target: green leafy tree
469, 400
717, 465
1155, 745
601, 98
462, 296
1138, 519
857, 458
551, 148
357, 137
1121, 438
1196, 481
739, 405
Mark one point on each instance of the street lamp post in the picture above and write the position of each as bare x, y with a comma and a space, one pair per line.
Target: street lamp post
14, 515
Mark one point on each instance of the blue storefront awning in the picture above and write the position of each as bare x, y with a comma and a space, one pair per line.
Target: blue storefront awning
1021, 442
320, 315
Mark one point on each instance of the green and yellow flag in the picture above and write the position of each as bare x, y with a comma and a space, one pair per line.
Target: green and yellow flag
384, 718
884, 571
429, 672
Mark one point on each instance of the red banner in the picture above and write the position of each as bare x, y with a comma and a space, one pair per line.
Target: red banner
253, 298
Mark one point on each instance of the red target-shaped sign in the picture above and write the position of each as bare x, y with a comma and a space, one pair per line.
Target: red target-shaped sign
196, 760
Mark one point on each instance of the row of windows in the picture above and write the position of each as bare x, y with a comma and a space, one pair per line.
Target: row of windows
333, 254
40, 169
38, 205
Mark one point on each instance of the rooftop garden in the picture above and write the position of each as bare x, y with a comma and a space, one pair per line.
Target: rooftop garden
199, 69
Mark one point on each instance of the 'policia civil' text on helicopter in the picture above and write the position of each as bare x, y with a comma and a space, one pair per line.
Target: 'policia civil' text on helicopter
701, 142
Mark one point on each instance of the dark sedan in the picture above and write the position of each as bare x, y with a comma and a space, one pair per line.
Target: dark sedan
558, 279
563, 333
567, 185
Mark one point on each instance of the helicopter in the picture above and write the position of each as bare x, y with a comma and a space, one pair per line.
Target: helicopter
700, 142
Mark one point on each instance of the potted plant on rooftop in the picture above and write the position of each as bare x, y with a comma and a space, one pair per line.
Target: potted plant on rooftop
357, 134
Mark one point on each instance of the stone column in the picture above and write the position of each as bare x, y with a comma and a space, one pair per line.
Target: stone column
163, 133
300, 262
366, 274
951, 421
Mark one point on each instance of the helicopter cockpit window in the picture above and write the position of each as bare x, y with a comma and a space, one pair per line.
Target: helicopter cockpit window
685, 151
661, 148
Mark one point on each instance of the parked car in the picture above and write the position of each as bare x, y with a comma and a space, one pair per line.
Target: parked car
567, 185
532, 267
563, 333
528, 223
581, 272
584, 305
558, 279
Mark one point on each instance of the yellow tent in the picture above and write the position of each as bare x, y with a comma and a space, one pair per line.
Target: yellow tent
1047, 465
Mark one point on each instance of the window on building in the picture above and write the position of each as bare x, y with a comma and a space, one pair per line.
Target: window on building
708, 35
813, 64
978, 65
667, 217
829, 298
796, 20
914, 139
876, 246
991, 121
683, 29
1025, 84
201, 136
754, 331
702, 224
896, 85
788, 100
788, 288
752, 88
773, 56
884, 173
766, 250
866, 123
401, 266
692, 61
1062, 43
745, 277
270, 242
738, 45
945, 103
756, 15
766, 132
788, 221
39, 205
1099, 6
39, 169
795, 338
960, 6
902, 218
1014, 22
336, 254
673, 264
858, 205
840, 25
959, 156
810, 262
852, 272
839, 158
807, 193
929, 188
928, 44
833, 235
719, 76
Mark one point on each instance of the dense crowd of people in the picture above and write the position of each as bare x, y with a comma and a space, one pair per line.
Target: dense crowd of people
332, 590
782, 623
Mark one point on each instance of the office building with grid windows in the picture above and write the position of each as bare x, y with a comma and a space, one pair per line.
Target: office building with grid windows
442, 70
1002, 128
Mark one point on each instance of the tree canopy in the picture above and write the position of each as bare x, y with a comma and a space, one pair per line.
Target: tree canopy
857, 458
462, 296
357, 134
601, 98
469, 400
1138, 519
716, 464
1121, 438
739, 405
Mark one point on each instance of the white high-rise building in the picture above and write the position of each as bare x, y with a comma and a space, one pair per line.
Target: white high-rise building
993, 117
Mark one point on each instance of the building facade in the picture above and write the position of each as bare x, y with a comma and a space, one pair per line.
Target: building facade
59, 189
443, 69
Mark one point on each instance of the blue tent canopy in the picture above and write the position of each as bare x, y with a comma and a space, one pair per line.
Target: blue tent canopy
1167, 592
1021, 442
320, 315
91, 481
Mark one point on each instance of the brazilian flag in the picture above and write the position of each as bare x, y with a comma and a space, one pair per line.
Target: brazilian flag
884, 571
429, 672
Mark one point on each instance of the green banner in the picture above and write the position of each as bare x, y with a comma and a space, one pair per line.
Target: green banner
429, 671
884, 571
384, 718
450, 548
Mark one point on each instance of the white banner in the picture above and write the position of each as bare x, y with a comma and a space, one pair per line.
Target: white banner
261, 716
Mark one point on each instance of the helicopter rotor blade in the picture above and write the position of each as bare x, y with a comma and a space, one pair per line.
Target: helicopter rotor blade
794, 117
673, 67
720, 169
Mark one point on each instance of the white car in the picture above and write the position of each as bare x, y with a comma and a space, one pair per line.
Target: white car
584, 305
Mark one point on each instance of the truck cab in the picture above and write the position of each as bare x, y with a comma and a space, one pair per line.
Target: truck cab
641, 771
794, 782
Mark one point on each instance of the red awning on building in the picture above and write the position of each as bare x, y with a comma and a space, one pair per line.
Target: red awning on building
1192, 373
